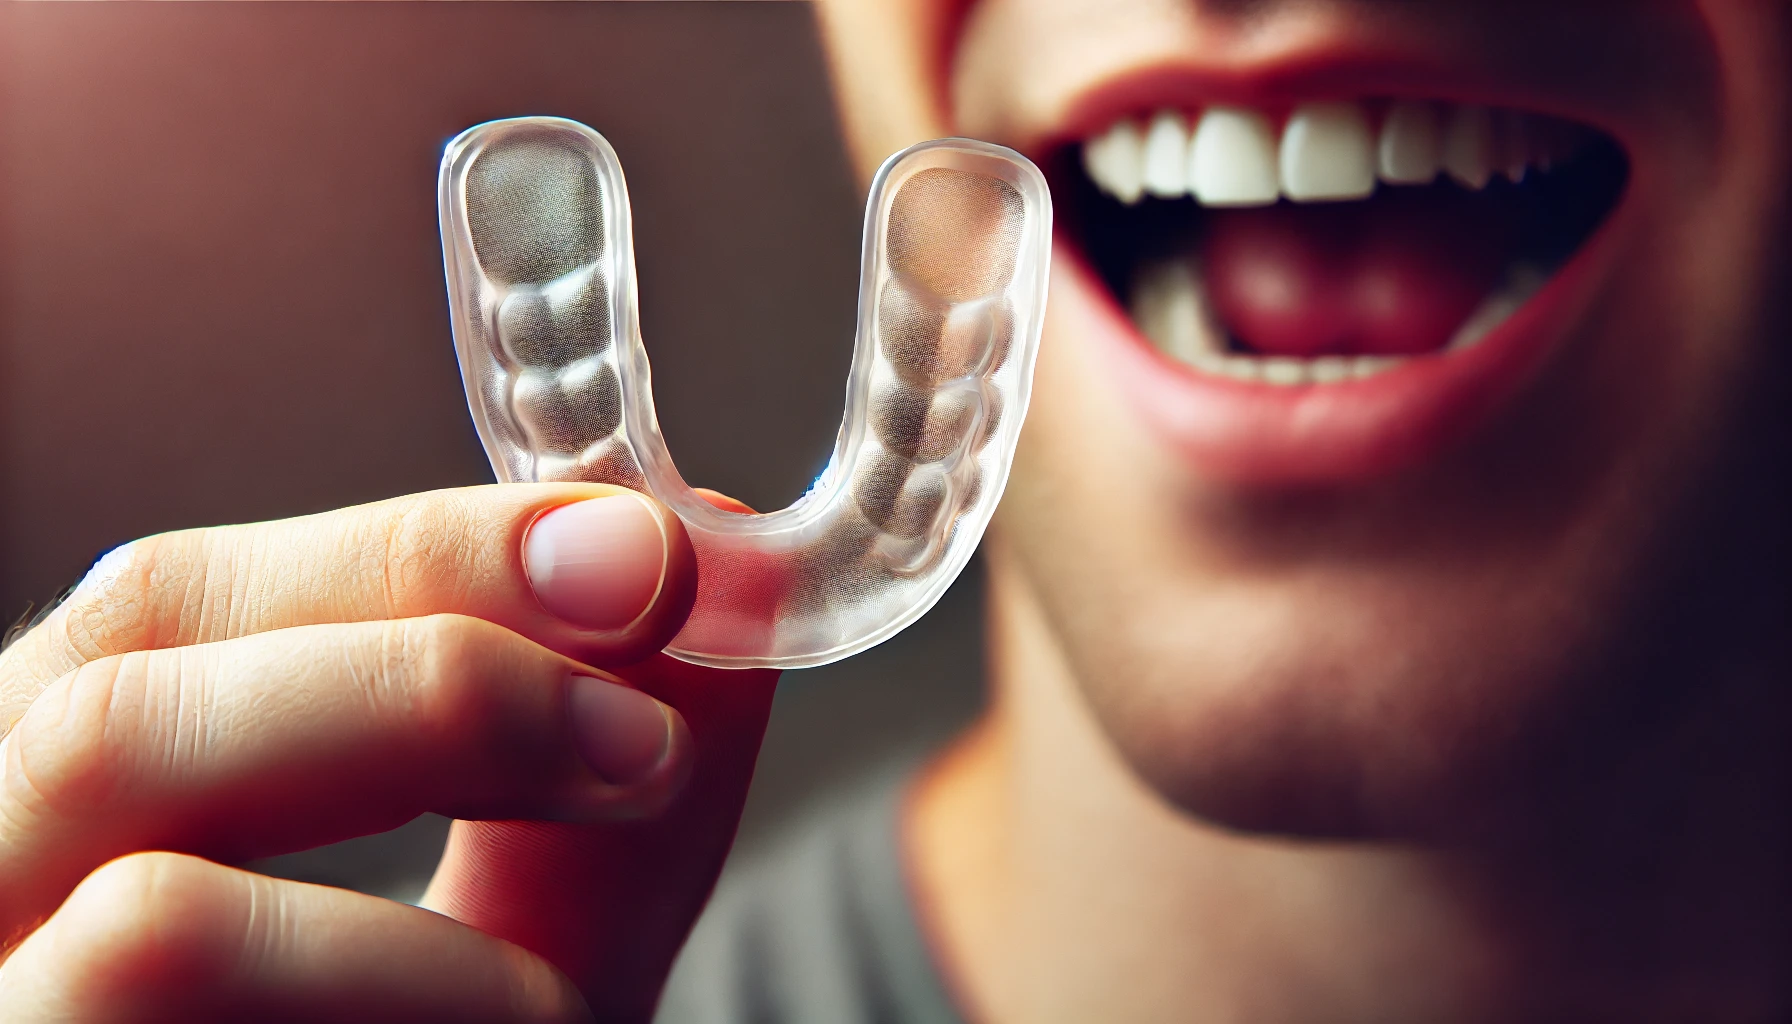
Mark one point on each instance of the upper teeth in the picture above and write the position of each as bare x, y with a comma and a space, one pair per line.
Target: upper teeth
1326, 151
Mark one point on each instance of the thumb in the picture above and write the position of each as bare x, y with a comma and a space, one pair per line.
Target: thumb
611, 904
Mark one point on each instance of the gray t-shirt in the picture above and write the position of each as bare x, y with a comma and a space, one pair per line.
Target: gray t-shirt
817, 929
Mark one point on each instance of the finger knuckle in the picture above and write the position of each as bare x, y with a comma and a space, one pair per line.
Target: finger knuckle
540, 993
448, 662
146, 922
429, 540
74, 744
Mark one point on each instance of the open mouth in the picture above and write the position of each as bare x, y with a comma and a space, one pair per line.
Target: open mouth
1301, 255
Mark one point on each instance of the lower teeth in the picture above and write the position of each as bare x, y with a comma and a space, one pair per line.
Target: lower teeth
1170, 308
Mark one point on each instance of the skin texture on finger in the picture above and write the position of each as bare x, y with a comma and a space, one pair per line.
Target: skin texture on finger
166, 937
294, 738
458, 551
610, 904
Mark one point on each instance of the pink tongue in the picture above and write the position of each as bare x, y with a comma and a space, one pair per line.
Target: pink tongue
1392, 275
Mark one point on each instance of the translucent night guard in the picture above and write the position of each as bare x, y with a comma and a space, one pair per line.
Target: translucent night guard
538, 243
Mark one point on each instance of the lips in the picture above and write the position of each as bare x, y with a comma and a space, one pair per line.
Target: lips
1333, 290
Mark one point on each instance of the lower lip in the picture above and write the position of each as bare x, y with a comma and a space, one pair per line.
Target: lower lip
1351, 431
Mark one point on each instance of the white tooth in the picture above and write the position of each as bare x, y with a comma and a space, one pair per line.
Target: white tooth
1468, 146
1232, 159
1369, 366
1119, 162
1166, 155
1410, 149
1096, 158
1242, 367
1146, 307
1522, 282
1326, 153
1329, 369
1492, 312
1285, 371
1526, 279
1168, 307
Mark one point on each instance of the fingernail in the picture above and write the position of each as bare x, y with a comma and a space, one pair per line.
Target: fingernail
622, 734
597, 564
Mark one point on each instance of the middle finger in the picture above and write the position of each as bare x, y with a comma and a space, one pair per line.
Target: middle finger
298, 737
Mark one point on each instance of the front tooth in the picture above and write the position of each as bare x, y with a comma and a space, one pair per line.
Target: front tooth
1168, 308
1242, 367
1468, 146
1369, 366
1326, 153
1410, 144
1115, 162
1232, 160
1281, 370
1166, 155
1329, 369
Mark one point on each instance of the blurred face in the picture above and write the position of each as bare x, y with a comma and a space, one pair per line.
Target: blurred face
1407, 368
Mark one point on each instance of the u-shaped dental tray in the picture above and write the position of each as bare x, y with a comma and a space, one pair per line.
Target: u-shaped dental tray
537, 239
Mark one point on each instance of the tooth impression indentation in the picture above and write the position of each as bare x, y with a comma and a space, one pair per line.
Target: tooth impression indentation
536, 235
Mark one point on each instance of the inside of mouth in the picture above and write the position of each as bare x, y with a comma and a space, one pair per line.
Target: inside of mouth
1408, 270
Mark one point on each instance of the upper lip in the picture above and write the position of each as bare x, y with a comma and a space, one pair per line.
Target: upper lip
1314, 72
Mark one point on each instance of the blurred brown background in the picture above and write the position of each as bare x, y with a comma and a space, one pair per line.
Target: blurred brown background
221, 293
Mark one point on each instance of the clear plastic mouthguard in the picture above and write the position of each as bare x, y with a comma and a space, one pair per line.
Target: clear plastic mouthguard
539, 248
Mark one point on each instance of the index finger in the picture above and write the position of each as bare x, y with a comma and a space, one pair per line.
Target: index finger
469, 551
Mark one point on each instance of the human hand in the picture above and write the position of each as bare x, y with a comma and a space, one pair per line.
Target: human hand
212, 696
